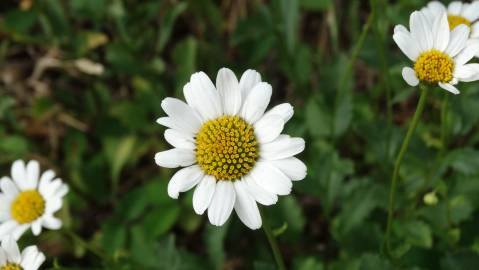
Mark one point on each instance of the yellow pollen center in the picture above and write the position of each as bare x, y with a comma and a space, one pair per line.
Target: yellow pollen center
434, 66
27, 207
226, 147
455, 21
11, 266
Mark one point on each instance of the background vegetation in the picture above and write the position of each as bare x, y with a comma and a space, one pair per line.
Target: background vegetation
81, 83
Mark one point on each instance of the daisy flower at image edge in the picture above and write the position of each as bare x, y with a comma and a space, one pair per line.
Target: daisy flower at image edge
457, 13
233, 153
11, 258
440, 55
29, 200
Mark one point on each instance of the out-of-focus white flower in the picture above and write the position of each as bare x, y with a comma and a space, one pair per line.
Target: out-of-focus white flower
11, 258
440, 55
29, 200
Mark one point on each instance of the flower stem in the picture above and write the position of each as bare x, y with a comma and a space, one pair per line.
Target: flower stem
444, 124
273, 243
397, 164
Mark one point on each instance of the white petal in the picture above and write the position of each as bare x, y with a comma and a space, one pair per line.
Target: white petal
421, 30
19, 231
441, 32
228, 88
3, 257
10, 247
175, 158
183, 180
458, 40
222, 203
202, 95
472, 71
246, 208
38, 261
182, 114
437, 7
52, 223
170, 123
285, 110
454, 8
294, 168
449, 87
283, 147
256, 102
19, 175
400, 28
7, 228
53, 205
8, 187
406, 44
203, 194
471, 12
475, 30
409, 76
29, 254
465, 72
248, 81
271, 178
467, 54
261, 195
33, 173
37, 227
179, 139
45, 181
268, 128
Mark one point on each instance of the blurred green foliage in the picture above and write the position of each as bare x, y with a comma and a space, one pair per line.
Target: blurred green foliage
81, 86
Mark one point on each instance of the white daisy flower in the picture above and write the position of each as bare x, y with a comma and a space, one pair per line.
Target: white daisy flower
457, 13
11, 258
232, 151
29, 200
440, 55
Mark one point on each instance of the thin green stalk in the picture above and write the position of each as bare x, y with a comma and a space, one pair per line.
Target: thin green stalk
350, 65
384, 71
444, 124
273, 243
397, 165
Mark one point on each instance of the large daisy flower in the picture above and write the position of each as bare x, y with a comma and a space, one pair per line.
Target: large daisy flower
457, 13
440, 55
29, 200
11, 258
232, 151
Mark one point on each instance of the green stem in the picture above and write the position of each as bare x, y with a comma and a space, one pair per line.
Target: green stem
397, 165
352, 59
273, 243
444, 124
376, 6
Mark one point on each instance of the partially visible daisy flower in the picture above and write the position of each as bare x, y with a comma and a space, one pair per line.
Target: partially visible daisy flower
232, 151
11, 258
29, 200
457, 13
440, 55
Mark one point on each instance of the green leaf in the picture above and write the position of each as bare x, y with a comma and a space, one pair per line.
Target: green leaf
415, 233
167, 23
119, 152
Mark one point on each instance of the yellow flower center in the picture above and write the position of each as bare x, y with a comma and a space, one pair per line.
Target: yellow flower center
11, 266
28, 206
455, 21
434, 66
226, 148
